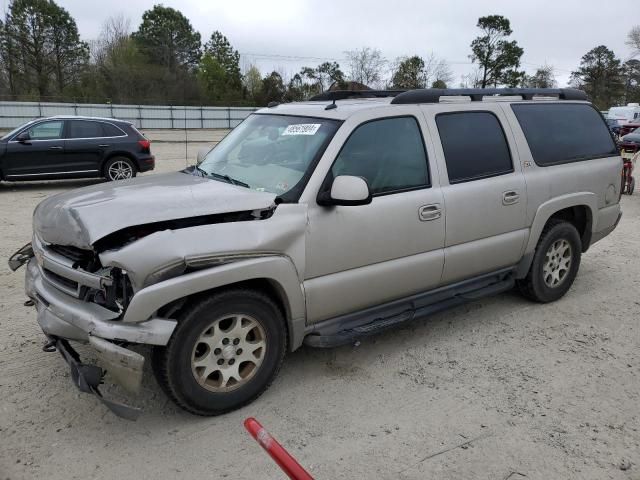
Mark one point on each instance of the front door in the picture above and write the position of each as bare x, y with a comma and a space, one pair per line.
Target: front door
366, 255
42, 154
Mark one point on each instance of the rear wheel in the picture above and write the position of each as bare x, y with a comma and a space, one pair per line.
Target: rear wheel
224, 353
555, 263
119, 168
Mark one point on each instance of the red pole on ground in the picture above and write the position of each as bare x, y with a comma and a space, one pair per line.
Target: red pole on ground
286, 462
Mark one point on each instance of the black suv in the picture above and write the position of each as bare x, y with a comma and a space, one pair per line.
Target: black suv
74, 147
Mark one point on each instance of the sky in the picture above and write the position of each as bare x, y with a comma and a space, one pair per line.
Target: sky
285, 35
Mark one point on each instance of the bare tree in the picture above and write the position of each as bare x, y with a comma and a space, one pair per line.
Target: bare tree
633, 40
366, 66
472, 79
436, 69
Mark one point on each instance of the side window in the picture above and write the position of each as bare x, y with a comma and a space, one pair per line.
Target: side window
46, 131
84, 129
474, 146
111, 130
560, 133
388, 153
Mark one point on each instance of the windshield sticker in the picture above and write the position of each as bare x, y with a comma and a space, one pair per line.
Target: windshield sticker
302, 129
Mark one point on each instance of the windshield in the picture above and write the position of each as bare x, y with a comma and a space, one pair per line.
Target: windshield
16, 130
270, 153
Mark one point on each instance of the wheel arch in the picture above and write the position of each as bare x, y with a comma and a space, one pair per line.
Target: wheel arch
578, 209
274, 275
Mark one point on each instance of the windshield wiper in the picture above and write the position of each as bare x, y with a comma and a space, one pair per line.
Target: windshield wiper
227, 178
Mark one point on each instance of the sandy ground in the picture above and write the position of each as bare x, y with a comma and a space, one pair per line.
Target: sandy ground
498, 389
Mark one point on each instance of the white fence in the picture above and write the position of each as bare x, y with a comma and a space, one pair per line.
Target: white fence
13, 114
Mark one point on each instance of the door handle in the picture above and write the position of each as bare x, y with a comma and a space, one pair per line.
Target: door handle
511, 197
104, 145
55, 147
429, 212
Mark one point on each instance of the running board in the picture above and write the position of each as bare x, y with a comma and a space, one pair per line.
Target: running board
350, 328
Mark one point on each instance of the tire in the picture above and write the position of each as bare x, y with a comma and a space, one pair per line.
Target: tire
119, 168
632, 186
547, 281
182, 367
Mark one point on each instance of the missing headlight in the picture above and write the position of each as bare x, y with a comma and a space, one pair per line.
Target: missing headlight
115, 297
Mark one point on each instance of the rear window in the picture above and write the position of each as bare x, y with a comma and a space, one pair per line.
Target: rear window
562, 133
474, 146
111, 130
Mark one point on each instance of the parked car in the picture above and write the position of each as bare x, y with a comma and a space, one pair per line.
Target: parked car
319, 223
632, 137
74, 147
614, 126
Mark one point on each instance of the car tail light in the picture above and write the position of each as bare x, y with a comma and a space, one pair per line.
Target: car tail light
145, 144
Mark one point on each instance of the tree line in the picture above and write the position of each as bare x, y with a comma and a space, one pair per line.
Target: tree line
165, 60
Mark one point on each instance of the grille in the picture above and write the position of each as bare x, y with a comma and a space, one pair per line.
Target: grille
65, 282
80, 258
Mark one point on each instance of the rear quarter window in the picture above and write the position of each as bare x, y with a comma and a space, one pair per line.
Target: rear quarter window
563, 133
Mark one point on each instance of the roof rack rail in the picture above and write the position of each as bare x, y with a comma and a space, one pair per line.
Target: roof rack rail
345, 94
432, 95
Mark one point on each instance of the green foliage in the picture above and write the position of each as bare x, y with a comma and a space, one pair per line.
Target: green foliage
253, 84
320, 78
168, 39
439, 84
229, 58
631, 71
600, 75
410, 74
543, 78
213, 79
498, 57
273, 89
41, 49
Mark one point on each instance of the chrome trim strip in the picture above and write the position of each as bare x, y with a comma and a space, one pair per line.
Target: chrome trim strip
50, 173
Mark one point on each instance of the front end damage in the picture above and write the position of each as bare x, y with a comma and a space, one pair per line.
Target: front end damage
122, 289
66, 316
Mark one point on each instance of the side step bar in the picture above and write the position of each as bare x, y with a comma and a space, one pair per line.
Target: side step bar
349, 328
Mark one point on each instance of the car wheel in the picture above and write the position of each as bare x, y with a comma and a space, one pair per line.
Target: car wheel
224, 353
119, 168
555, 263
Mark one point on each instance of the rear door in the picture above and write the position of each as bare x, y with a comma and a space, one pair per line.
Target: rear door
483, 187
85, 145
43, 154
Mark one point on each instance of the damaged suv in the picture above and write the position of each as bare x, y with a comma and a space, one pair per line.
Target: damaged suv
319, 223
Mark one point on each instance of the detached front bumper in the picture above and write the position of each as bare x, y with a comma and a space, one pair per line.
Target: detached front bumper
63, 317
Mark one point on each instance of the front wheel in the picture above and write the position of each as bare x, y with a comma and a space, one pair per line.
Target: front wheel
224, 353
555, 263
119, 168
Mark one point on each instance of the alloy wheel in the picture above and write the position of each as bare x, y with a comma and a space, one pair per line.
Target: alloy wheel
228, 353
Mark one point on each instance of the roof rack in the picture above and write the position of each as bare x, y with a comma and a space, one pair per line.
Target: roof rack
432, 95
345, 94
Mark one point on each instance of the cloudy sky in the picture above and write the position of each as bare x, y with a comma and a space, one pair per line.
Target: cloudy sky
286, 34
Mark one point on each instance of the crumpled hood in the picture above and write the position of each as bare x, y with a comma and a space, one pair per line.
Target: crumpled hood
83, 216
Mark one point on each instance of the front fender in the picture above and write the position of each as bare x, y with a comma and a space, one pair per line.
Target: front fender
548, 208
275, 268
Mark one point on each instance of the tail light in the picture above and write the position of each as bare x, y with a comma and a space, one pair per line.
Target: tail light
145, 144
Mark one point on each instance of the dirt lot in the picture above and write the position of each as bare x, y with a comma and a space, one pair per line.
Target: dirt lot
500, 388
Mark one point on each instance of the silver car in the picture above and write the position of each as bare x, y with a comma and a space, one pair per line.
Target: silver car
320, 223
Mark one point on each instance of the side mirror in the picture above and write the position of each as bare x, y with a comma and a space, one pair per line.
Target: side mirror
346, 190
23, 137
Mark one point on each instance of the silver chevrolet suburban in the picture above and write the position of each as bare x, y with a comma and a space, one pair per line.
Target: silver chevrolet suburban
319, 223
